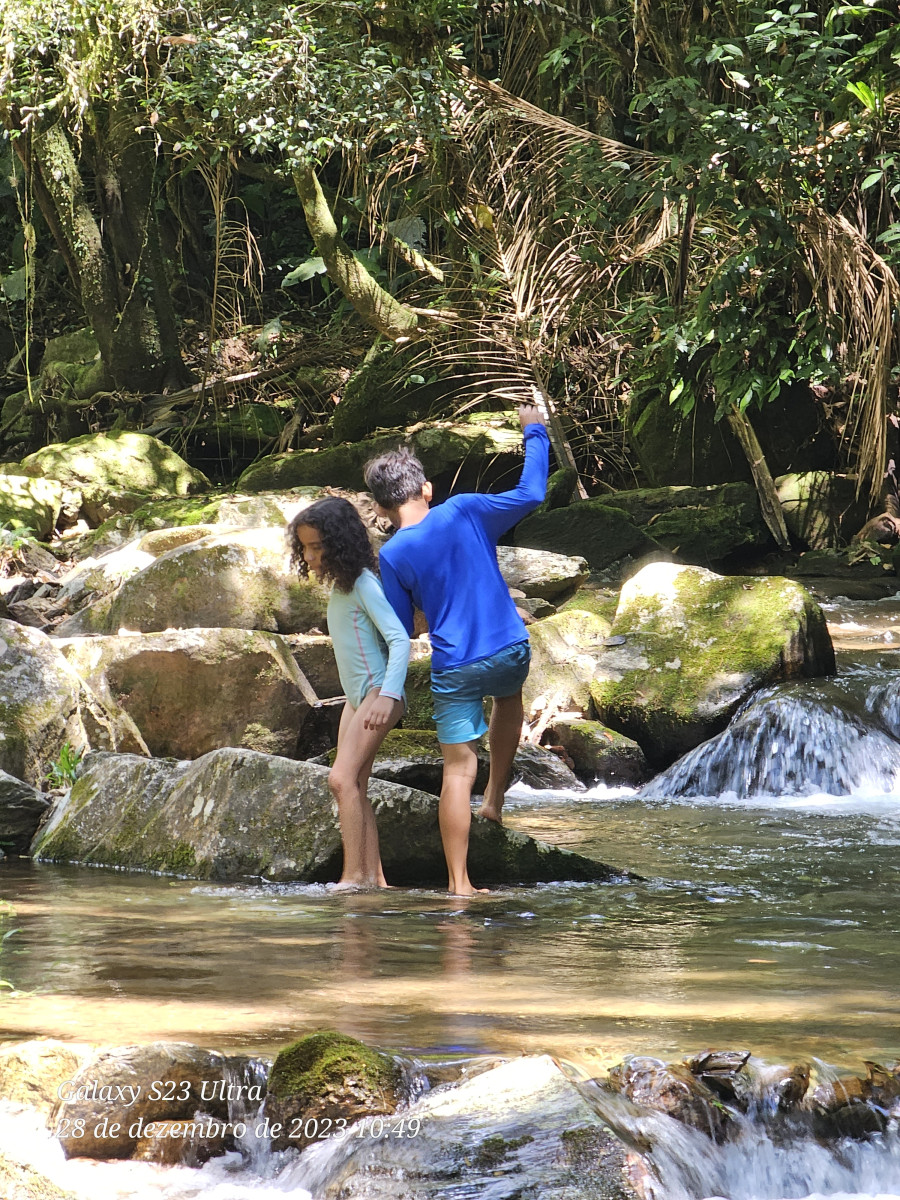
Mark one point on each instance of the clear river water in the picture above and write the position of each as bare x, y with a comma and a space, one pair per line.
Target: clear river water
767, 922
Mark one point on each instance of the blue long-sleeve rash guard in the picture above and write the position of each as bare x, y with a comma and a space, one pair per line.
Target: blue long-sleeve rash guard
446, 565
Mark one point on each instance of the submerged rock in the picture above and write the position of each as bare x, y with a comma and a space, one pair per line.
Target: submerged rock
413, 757
324, 1082
696, 646
518, 1130
190, 691
673, 1089
234, 814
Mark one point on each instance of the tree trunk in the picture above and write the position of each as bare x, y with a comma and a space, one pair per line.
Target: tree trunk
124, 297
377, 307
772, 512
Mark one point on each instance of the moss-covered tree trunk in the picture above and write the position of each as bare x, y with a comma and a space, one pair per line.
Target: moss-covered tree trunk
112, 251
377, 307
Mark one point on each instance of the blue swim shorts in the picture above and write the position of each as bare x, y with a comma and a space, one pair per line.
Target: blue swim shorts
459, 692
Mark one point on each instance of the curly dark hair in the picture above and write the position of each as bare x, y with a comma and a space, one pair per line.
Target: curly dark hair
346, 549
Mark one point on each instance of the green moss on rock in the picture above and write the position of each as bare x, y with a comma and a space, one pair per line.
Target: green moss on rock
697, 644
311, 1066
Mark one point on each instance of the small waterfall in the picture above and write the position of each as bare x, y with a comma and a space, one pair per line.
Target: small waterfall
793, 740
760, 1160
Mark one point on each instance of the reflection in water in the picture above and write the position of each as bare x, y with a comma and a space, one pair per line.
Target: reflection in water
771, 926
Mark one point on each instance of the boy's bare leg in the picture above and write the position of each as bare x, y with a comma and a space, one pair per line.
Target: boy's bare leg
455, 812
348, 780
504, 734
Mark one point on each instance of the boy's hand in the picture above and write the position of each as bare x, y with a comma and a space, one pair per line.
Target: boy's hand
530, 414
380, 713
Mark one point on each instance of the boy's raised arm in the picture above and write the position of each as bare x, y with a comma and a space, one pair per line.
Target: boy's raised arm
497, 513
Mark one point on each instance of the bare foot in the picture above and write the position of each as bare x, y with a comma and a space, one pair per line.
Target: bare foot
472, 891
345, 885
490, 813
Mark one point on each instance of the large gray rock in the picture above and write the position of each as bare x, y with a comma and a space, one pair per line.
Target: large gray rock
519, 1130
190, 691
237, 813
44, 704
413, 757
114, 1095
700, 524
821, 509
696, 646
21, 810
540, 572
227, 581
600, 755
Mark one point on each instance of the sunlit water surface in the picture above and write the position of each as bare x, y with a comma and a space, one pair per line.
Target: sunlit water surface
769, 924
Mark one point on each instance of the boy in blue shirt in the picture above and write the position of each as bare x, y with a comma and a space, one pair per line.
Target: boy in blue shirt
443, 561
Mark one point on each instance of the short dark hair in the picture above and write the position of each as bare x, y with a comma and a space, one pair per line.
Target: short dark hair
395, 477
346, 549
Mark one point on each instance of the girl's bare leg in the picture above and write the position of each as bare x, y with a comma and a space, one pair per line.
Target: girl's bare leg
348, 780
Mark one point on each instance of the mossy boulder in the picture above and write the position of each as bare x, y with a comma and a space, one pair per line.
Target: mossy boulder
115, 470
821, 509
79, 346
700, 525
483, 450
190, 691
601, 601
238, 580
225, 511
673, 451
565, 651
239, 814
595, 530
697, 646
44, 704
328, 1077
863, 560
600, 754
29, 503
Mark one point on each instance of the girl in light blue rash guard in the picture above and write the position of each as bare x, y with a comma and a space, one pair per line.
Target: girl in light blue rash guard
372, 652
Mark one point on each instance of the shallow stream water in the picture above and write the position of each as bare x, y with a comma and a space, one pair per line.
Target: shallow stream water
767, 923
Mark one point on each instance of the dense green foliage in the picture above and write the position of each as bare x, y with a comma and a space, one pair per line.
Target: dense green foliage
609, 202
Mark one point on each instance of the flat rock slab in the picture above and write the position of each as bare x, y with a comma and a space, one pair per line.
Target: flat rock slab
239, 814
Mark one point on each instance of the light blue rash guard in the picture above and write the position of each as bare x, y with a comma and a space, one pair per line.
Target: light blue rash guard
370, 645
446, 565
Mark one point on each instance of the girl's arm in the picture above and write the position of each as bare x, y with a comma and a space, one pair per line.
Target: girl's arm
388, 624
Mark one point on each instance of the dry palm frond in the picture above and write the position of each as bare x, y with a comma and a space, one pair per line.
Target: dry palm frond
854, 282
